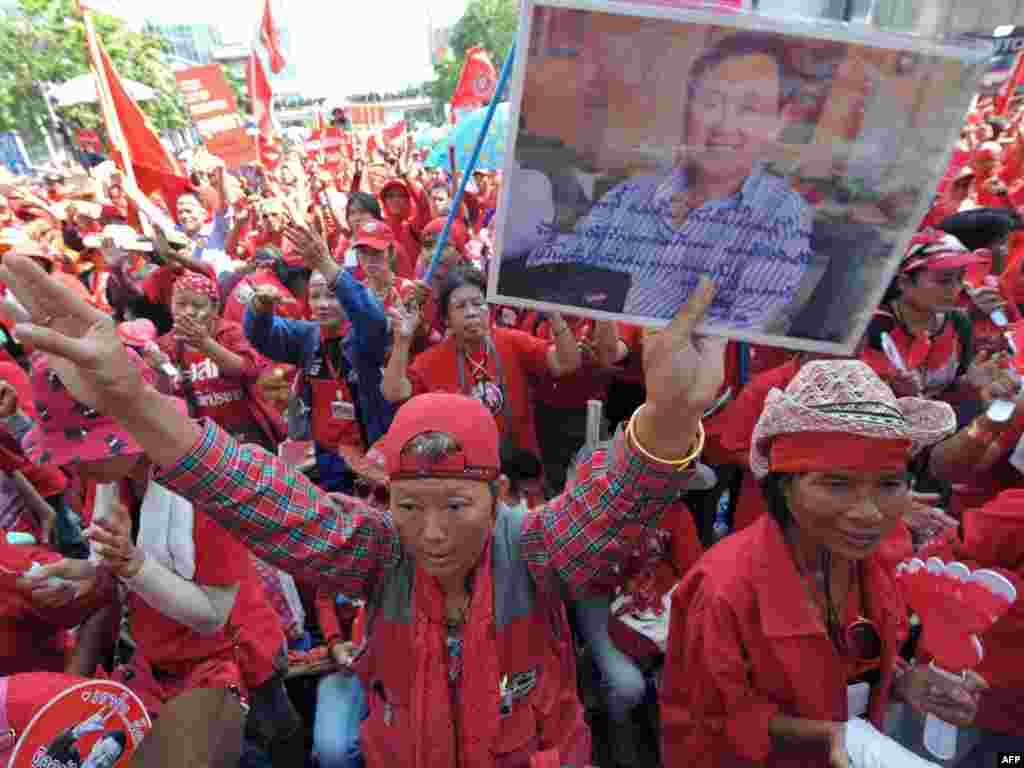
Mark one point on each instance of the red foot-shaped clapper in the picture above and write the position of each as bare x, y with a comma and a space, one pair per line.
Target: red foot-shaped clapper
955, 605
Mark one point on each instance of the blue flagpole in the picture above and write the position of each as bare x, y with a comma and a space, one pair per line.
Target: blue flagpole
467, 172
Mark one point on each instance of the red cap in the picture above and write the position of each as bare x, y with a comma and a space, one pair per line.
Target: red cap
457, 234
464, 419
376, 235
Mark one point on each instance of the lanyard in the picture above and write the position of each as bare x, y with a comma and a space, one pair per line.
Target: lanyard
489, 349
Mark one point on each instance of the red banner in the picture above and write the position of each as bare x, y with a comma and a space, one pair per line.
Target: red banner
211, 102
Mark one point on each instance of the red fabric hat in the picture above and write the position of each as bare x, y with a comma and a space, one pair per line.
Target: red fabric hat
466, 420
376, 235
457, 234
393, 184
198, 283
935, 250
137, 333
69, 432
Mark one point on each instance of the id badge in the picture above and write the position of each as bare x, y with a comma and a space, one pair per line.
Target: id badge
342, 411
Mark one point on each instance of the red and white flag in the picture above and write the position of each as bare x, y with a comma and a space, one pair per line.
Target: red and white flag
476, 83
271, 39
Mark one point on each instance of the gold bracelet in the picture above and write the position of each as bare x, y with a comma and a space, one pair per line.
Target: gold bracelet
678, 464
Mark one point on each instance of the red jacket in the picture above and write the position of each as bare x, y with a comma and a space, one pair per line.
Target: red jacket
744, 647
543, 725
407, 229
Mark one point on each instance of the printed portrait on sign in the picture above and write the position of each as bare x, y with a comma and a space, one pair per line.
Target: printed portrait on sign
789, 167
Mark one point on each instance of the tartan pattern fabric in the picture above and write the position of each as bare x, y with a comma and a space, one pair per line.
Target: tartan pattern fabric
340, 543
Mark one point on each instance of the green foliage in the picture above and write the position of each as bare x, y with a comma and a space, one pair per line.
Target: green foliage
490, 24
43, 41
236, 79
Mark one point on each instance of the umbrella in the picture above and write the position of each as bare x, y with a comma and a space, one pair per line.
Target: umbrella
428, 138
463, 138
82, 90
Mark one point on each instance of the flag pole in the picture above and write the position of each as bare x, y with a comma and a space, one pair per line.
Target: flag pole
467, 172
106, 100
108, 110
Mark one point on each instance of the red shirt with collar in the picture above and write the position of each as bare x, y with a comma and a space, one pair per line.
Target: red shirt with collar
746, 644
522, 357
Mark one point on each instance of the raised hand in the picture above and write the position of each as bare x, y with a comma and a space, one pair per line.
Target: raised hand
404, 322
264, 298
311, 246
82, 341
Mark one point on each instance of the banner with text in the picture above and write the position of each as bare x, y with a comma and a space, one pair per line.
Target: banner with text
214, 111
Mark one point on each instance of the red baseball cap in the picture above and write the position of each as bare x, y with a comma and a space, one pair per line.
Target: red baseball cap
465, 419
458, 237
393, 184
376, 235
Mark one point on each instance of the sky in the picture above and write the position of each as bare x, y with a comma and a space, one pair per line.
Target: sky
340, 48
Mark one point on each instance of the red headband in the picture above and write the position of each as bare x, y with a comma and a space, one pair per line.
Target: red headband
824, 451
198, 283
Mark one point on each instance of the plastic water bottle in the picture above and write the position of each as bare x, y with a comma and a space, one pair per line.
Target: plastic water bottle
720, 528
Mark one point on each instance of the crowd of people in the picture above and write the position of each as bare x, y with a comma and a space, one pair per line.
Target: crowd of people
293, 481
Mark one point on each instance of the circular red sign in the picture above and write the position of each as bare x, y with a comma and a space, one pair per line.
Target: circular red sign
95, 724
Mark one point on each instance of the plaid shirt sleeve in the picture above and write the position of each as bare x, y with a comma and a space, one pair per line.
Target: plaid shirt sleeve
584, 535
333, 541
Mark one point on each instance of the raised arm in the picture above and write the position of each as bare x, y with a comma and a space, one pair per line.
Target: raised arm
279, 338
584, 534
281, 516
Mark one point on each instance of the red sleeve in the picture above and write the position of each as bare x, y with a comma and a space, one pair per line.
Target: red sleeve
533, 352
221, 559
327, 617
421, 215
231, 336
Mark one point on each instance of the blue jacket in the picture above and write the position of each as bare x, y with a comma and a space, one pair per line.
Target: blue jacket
365, 347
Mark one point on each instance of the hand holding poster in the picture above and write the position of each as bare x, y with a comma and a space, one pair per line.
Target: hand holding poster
790, 164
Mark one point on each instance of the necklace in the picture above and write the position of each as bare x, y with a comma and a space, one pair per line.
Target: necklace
478, 370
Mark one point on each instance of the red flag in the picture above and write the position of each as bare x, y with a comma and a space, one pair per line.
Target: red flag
271, 39
477, 81
261, 95
1010, 90
135, 142
393, 132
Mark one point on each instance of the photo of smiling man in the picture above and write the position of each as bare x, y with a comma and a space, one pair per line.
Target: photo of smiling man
717, 211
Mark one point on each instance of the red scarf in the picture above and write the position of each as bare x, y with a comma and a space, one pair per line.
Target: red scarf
479, 698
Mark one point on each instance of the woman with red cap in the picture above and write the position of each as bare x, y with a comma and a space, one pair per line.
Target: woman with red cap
492, 365
783, 635
468, 658
218, 366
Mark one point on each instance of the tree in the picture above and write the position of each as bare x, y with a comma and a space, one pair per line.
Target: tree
43, 41
236, 79
490, 24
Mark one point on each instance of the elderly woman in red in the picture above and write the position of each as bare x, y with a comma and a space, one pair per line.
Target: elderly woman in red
784, 634
453, 580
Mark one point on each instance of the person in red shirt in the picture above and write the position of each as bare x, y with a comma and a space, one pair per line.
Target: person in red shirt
376, 249
217, 366
561, 404
407, 211
930, 352
490, 365
774, 627
197, 611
